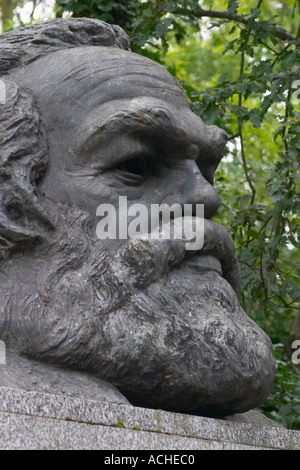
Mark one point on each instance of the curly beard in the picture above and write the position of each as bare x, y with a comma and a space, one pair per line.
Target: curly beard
144, 318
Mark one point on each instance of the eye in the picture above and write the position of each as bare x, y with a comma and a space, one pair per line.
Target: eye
137, 166
137, 169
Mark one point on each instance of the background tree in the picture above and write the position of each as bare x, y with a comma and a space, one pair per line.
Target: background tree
7, 11
239, 65
10, 12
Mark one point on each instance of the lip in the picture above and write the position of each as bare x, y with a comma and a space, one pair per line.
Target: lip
217, 254
203, 263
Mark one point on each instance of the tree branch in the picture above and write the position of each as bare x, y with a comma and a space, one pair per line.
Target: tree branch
259, 4
279, 32
240, 133
35, 4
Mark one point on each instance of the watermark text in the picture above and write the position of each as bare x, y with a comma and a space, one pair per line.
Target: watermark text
2, 353
296, 84
2, 92
296, 354
158, 221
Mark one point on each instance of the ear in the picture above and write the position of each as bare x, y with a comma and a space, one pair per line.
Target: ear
23, 156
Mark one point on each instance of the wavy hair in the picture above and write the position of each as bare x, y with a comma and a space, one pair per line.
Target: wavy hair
23, 143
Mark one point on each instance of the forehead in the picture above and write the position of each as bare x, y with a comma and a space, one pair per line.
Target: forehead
81, 79
82, 91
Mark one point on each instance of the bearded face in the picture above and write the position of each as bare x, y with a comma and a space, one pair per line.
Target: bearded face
161, 322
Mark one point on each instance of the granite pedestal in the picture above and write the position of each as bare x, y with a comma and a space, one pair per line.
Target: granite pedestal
36, 420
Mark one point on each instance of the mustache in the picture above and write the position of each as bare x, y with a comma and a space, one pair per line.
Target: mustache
138, 262
147, 258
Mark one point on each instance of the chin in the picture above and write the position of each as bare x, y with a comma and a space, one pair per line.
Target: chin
184, 344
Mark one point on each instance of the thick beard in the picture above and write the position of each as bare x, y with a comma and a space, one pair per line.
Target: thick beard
170, 338
184, 344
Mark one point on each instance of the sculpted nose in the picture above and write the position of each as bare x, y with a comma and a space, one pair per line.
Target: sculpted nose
198, 190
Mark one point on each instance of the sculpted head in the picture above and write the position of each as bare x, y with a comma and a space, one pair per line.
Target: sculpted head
84, 122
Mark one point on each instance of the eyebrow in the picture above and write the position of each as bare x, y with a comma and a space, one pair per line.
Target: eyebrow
147, 120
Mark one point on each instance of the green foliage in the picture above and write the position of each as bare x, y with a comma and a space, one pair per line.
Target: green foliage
119, 425
7, 13
283, 404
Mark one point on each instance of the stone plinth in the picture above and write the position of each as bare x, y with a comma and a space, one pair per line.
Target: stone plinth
36, 420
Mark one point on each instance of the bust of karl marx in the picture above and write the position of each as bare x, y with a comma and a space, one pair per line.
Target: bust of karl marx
85, 122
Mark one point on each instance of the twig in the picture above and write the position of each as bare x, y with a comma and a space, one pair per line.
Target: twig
265, 224
35, 4
240, 132
278, 32
262, 276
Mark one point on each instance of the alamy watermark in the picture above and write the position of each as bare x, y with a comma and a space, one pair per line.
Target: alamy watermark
2, 92
159, 221
296, 84
296, 354
2, 353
